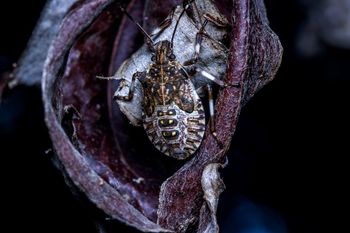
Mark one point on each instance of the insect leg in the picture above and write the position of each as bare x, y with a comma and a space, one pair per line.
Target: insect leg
214, 79
201, 91
128, 97
215, 20
186, 6
212, 115
109, 77
199, 37
122, 82
211, 108
211, 77
198, 44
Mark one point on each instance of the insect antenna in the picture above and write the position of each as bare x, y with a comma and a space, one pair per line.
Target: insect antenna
178, 20
149, 40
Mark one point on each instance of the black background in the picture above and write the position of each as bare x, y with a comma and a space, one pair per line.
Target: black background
288, 153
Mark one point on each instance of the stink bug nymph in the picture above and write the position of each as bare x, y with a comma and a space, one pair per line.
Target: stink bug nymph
172, 112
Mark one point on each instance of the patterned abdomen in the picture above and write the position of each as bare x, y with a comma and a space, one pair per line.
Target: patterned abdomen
175, 132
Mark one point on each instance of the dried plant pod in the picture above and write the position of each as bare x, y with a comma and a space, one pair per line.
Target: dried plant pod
111, 161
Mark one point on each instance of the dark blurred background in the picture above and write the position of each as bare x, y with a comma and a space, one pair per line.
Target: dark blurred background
287, 159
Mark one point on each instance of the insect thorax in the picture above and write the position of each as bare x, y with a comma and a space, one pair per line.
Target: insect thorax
167, 83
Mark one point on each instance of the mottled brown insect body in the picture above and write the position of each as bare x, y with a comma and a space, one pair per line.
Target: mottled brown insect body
173, 115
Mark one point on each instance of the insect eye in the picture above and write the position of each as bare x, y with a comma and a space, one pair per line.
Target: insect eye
172, 56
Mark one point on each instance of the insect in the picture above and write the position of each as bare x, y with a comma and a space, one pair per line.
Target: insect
172, 112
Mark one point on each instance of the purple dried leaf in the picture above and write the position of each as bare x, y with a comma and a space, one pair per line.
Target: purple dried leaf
112, 162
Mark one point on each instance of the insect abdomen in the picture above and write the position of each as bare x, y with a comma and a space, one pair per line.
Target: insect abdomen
175, 132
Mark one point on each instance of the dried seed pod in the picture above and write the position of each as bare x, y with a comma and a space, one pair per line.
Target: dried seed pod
213, 53
112, 163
